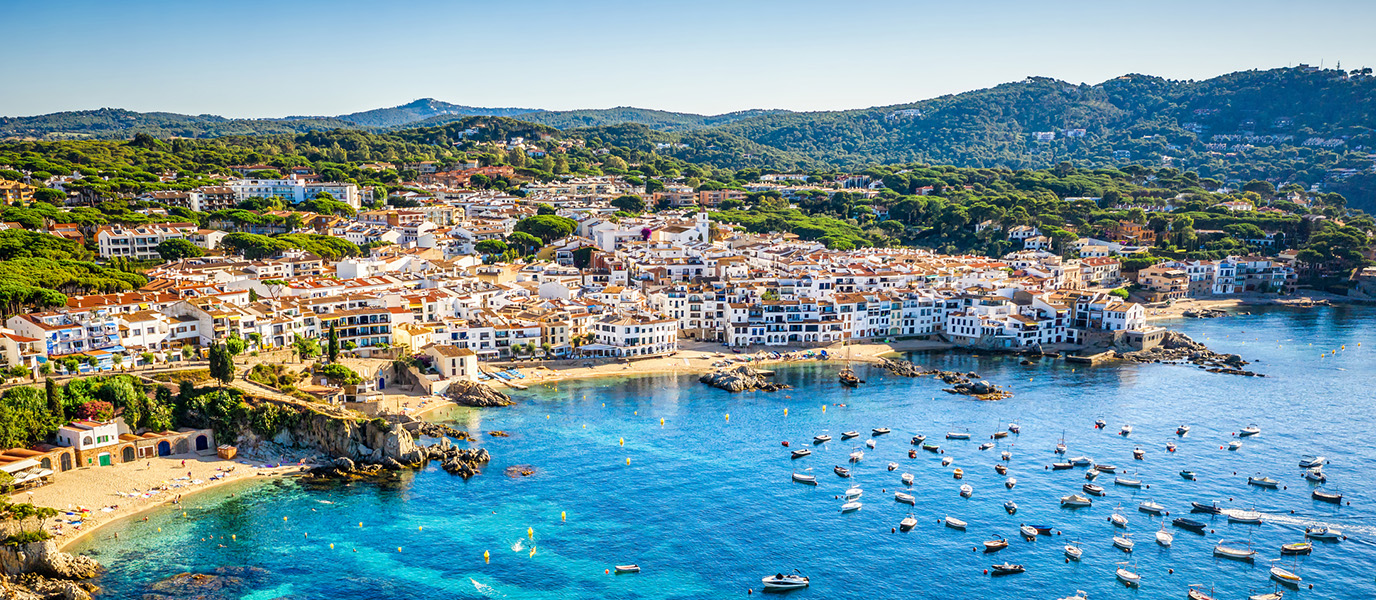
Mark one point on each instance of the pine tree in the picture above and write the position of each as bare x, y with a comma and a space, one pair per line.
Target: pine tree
334, 343
54, 394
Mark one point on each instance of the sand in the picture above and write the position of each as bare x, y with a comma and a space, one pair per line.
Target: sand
97, 488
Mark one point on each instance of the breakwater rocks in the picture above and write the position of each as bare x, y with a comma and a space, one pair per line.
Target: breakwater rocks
902, 367
742, 378
1177, 347
38, 571
464, 462
472, 393
435, 430
968, 384
1204, 313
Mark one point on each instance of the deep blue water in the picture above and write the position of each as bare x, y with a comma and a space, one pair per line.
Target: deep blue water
707, 508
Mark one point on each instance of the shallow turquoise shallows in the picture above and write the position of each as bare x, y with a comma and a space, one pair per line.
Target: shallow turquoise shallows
706, 506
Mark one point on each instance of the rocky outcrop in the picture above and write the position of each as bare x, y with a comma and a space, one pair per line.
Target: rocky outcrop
223, 583
31, 586
902, 367
1204, 313
1179, 348
740, 379
434, 430
472, 393
38, 571
980, 389
464, 462
368, 441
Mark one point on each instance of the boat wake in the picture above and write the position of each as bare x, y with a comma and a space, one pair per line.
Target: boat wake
518, 546
485, 589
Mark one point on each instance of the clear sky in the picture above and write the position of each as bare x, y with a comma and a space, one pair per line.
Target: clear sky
252, 58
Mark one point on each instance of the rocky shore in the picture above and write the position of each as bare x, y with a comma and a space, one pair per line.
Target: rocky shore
742, 378
39, 571
1177, 347
472, 393
967, 384
1204, 313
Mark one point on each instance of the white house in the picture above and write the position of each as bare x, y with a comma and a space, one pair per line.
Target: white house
454, 362
85, 435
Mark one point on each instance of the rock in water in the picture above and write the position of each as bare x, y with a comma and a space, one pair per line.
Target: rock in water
472, 393
740, 379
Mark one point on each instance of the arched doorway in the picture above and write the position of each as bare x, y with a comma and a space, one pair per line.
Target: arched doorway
128, 454
66, 461
182, 446
46, 463
202, 443
164, 448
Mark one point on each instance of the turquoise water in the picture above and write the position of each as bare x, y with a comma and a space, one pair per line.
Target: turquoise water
706, 506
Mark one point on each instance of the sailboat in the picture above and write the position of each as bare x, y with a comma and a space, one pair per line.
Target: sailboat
847, 376
1060, 445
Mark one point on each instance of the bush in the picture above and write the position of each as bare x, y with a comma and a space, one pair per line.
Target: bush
1120, 292
27, 537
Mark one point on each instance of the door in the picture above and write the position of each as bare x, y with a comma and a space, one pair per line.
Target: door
66, 462
128, 454
201, 443
164, 448
105, 459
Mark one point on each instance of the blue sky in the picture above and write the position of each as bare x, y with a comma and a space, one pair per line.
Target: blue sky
271, 59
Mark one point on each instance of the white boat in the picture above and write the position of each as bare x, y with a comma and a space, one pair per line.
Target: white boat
1090, 488
1011, 507
1006, 569
1125, 431
986, 445
1075, 500
1197, 593
905, 498
1138, 453
1118, 520
1265, 482
1237, 552
908, 523
869, 443
1128, 577
1100, 424
1151, 508
957, 435
1285, 576
1319, 532
1060, 448
627, 568
1249, 430
1010, 482
1315, 475
1182, 430
966, 491
1105, 468
1164, 537
995, 545
854, 493
893, 466
808, 479
1073, 551
946, 461
959, 473
1127, 482
1079, 595
1248, 517
857, 455
907, 478
785, 582
1234, 445
955, 523
1014, 428
850, 507
1275, 595
1170, 446
1123, 542
821, 438
1082, 461
1006, 455
1091, 474
801, 452
845, 435
1310, 462
1028, 532
879, 431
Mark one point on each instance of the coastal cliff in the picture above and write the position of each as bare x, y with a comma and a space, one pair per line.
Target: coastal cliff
38, 571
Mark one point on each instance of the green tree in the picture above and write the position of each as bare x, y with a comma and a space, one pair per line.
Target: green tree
629, 203
338, 375
547, 227
221, 364
333, 343
524, 243
305, 348
177, 249
491, 247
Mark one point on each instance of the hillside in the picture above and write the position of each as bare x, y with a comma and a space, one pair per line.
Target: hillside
117, 123
420, 110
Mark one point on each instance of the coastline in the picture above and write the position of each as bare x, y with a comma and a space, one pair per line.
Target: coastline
97, 488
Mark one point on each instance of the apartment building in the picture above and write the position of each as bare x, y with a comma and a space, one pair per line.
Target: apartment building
140, 242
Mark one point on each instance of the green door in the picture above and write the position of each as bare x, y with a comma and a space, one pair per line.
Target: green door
105, 460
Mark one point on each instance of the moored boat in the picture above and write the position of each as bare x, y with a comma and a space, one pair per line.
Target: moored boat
986, 446
857, 455
1097, 490
1285, 576
1105, 468
1082, 461
1015, 428
1249, 430
955, 523
946, 461
1164, 538
1000, 469
845, 435
908, 523
1320, 532
1073, 551
801, 452
1200, 507
893, 466
1190, 524
1128, 577
1197, 593
840, 470
907, 478
1151, 508
1127, 482
1010, 506
854, 492
785, 582
1005, 455
1125, 431
1246, 517
957, 435
995, 545
1238, 551
1075, 501
1028, 531
905, 498
627, 568
1297, 548
1123, 542
1234, 445
808, 479
821, 438
1182, 430
1138, 454
1309, 462
1265, 482
918, 439
851, 507
1091, 475
966, 490
931, 447
869, 443
1010, 482
959, 473
1061, 466
1005, 569
1323, 496
1118, 520
1188, 474
880, 431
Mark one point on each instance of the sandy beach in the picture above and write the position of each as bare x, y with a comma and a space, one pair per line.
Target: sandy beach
115, 492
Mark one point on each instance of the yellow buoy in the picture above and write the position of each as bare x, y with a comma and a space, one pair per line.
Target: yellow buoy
398, 548
628, 460
637, 413
532, 550
284, 518
332, 546
183, 513
824, 408
360, 524
785, 412
585, 426
530, 532
563, 516
159, 530
728, 416
487, 557
622, 441
421, 528
661, 420
232, 536
546, 416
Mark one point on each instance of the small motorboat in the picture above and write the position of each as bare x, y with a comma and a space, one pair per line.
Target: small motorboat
1105, 468
995, 545
1100, 424
946, 461
851, 507
1028, 531
1000, 469
1118, 520
842, 471
857, 455
1127, 482
1235, 552
907, 478
854, 492
785, 582
912, 454
1075, 500
918, 439
801, 452
1182, 430
821, 439
1273, 595
1164, 538
1151, 508
957, 435
986, 445
1005, 456
1310, 462
908, 523
1005, 569
1320, 532
1265, 482
959, 473
1190, 524
1138, 454
1170, 446
1042, 529
1073, 551
1296, 548
808, 479
627, 568
869, 443
931, 447
1091, 475
1128, 577
1125, 431
1323, 496
1246, 517
1015, 428
1212, 509
1188, 474
1097, 490
1285, 576
998, 435
1011, 507
1082, 461
1123, 542
905, 498
1249, 430
880, 431
1197, 593
1061, 466
845, 435
955, 523
1234, 445
1315, 475
893, 466
1010, 482
966, 491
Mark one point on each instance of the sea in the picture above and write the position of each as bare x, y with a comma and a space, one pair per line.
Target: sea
693, 485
